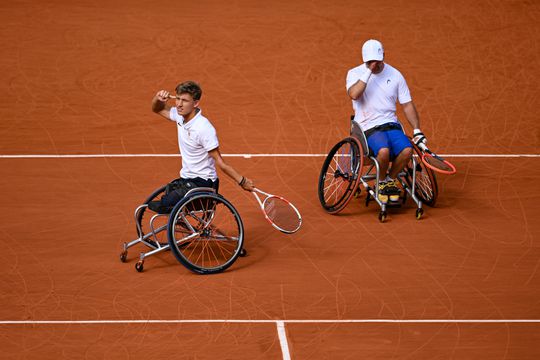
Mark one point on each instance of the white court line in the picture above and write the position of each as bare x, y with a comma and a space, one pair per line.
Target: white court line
283, 340
280, 324
247, 156
239, 321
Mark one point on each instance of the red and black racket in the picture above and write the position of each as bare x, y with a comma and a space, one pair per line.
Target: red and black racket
279, 212
435, 162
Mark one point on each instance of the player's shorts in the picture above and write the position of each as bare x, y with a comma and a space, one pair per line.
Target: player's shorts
394, 139
176, 190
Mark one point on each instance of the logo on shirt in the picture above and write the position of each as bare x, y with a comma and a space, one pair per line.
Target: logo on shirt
388, 82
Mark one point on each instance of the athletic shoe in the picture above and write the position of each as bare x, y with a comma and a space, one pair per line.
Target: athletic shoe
383, 197
390, 189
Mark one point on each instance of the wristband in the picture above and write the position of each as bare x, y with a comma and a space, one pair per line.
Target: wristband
242, 182
365, 76
418, 137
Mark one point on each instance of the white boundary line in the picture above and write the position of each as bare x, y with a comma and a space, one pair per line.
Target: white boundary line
277, 322
247, 156
280, 324
282, 334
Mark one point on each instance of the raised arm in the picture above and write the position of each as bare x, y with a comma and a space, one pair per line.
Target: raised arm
159, 104
356, 90
245, 183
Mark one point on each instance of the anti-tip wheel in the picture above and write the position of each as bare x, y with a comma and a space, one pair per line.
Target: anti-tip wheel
382, 216
123, 256
139, 266
243, 252
419, 213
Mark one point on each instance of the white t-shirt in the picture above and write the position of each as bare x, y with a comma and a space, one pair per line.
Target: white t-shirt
195, 139
377, 105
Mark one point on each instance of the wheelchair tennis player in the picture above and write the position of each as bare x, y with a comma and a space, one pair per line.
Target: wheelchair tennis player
374, 88
198, 144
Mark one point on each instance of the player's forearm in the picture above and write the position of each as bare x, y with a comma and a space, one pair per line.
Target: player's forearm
412, 115
357, 90
230, 172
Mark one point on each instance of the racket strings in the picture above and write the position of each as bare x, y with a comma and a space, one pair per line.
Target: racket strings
282, 214
437, 163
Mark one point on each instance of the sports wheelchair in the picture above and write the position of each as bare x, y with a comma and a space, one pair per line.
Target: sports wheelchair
203, 230
351, 163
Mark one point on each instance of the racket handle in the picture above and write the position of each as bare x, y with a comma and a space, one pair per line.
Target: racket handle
423, 147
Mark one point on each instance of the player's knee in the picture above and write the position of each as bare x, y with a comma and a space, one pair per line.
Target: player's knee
383, 155
407, 152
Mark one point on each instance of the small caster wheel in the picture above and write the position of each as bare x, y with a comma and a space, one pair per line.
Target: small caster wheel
139, 266
419, 213
243, 252
123, 256
382, 216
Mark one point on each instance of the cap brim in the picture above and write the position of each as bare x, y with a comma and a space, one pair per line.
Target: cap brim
374, 58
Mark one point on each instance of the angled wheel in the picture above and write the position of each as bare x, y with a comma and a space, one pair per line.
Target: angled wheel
339, 176
123, 256
205, 233
139, 266
425, 182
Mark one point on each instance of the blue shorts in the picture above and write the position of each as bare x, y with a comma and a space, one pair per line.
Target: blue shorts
395, 140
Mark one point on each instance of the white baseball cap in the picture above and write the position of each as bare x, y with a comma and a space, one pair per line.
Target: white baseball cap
372, 50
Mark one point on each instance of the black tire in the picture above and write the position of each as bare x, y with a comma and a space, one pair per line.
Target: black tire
339, 176
205, 233
426, 183
139, 266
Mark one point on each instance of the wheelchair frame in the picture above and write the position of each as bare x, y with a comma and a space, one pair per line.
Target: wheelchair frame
407, 177
205, 230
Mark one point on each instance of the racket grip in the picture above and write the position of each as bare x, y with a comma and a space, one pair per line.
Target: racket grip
423, 147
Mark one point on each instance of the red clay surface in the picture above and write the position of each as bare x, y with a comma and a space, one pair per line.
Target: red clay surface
78, 79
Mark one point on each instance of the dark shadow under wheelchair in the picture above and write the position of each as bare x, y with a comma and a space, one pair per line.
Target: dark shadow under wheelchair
350, 165
203, 230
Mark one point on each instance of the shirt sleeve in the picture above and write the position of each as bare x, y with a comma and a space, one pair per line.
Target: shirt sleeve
173, 115
404, 95
352, 78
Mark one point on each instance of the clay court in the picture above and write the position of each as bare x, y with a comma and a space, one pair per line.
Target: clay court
80, 149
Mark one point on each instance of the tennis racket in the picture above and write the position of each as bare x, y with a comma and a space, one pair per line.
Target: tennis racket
279, 212
435, 162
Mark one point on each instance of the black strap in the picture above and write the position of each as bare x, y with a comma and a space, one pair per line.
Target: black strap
383, 127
